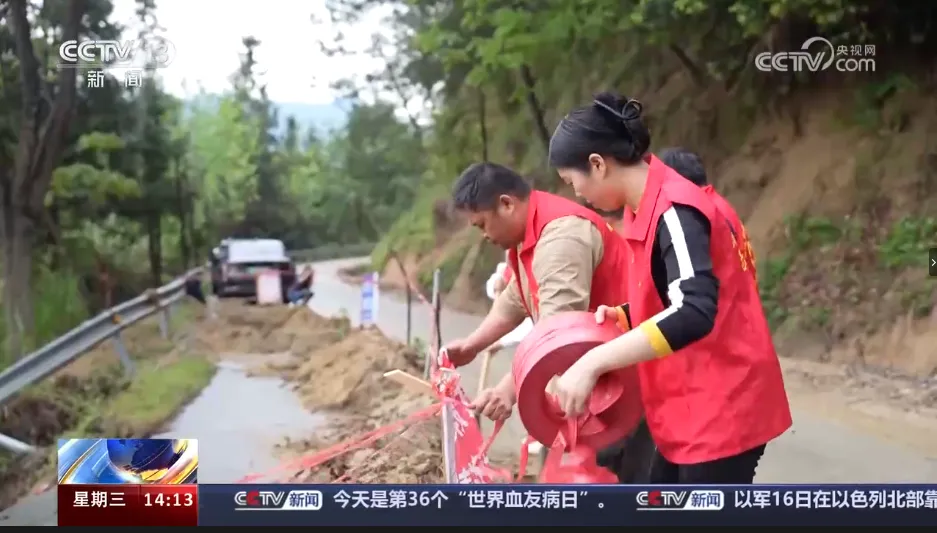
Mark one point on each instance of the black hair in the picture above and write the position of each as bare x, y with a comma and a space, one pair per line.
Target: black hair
610, 126
687, 163
481, 184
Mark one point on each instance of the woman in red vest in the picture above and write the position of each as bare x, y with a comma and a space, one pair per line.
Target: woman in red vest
711, 381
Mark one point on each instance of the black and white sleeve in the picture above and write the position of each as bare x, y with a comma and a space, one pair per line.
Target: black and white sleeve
692, 289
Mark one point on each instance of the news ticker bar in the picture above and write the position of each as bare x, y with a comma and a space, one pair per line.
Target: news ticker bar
505, 505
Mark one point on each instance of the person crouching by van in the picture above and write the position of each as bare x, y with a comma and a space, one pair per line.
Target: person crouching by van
193, 288
301, 290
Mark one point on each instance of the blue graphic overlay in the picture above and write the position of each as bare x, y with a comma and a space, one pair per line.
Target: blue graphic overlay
127, 461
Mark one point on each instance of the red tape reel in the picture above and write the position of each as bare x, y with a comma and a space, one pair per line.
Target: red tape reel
614, 409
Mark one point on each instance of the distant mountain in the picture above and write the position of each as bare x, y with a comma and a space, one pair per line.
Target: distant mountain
323, 117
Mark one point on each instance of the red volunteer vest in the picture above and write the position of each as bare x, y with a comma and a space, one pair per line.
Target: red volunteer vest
742, 244
608, 287
724, 394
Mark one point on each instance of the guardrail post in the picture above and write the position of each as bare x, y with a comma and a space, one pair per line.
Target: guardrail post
123, 354
164, 322
14, 445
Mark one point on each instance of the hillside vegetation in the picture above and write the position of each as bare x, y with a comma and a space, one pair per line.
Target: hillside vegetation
110, 185
832, 170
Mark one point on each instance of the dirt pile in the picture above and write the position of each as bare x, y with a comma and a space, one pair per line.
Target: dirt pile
345, 378
250, 329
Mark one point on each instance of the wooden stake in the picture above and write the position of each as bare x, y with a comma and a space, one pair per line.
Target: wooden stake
483, 379
483, 375
411, 382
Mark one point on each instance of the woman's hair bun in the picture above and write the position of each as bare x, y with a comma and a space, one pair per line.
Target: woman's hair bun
622, 108
611, 125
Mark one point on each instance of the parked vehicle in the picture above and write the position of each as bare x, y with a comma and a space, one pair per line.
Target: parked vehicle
240, 260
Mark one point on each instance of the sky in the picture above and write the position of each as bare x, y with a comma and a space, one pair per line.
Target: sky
207, 37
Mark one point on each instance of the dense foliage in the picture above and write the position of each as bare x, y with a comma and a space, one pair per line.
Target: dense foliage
498, 74
108, 190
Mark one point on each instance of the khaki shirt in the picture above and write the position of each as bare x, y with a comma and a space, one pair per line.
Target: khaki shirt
567, 253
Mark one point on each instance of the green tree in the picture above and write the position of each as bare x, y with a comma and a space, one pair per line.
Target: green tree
42, 133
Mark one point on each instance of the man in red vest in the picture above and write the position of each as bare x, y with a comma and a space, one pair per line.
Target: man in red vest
564, 257
689, 165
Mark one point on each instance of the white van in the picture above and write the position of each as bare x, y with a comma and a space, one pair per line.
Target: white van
244, 258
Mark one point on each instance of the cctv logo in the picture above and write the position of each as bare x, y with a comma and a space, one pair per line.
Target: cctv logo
278, 500
680, 500
259, 499
661, 499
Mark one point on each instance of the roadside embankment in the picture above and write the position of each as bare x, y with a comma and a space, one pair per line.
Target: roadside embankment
93, 397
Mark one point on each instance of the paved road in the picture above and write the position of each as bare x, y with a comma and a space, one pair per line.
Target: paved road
816, 450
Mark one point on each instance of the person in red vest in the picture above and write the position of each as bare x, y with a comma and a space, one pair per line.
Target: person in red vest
689, 165
563, 256
711, 381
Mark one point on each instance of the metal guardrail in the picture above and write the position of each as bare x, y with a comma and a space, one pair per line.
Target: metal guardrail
328, 252
107, 325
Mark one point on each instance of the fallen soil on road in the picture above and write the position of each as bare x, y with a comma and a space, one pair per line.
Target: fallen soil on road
337, 369
241, 328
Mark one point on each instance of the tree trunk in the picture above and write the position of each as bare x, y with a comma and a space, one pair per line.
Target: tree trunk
697, 74
194, 237
536, 109
185, 244
483, 123
18, 233
155, 248
42, 136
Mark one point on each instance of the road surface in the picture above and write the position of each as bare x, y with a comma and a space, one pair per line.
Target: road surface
816, 450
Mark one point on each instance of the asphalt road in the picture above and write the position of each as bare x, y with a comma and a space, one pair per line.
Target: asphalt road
816, 450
